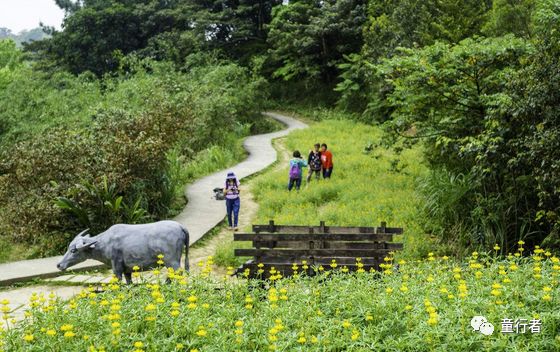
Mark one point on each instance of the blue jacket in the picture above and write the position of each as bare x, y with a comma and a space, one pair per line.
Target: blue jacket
302, 163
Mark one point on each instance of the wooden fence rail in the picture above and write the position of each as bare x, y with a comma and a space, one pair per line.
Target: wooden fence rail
280, 247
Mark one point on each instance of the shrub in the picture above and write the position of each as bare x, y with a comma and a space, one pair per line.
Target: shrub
122, 160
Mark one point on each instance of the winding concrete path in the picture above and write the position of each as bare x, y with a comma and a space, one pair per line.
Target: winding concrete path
201, 214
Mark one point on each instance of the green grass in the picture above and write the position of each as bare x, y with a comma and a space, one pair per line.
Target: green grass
10, 251
217, 157
425, 306
366, 187
204, 163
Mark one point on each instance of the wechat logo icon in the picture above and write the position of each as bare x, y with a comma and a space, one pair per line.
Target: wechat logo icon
481, 324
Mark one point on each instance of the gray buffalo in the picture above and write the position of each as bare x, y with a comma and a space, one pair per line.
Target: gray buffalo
125, 246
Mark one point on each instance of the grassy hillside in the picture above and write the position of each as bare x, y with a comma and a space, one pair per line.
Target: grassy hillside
370, 184
426, 305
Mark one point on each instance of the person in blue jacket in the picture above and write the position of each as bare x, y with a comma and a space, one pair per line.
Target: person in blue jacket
296, 170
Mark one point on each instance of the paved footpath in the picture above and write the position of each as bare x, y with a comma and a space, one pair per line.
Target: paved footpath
201, 214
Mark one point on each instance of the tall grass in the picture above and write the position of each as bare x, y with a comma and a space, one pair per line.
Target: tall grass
214, 158
369, 184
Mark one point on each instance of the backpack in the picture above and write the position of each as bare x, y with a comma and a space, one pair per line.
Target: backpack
294, 170
315, 161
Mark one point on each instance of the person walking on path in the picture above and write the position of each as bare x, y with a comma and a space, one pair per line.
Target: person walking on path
326, 160
233, 202
296, 166
314, 162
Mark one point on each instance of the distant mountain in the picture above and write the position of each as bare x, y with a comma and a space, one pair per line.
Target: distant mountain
24, 36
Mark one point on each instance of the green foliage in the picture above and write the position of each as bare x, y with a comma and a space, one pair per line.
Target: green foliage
392, 24
395, 24
453, 94
486, 108
10, 62
446, 198
536, 143
363, 191
110, 208
124, 151
356, 73
414, 308
309, 38
510, 16
98, 34
454, 98
34, 102
414, 23
235, 28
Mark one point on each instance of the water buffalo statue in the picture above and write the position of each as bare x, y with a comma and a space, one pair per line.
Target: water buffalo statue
125, 246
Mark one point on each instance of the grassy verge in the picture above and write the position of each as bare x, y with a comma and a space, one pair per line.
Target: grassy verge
215, 158
427, 305
370, 184
181, 172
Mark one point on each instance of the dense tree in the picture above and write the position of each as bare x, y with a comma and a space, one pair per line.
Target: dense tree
536, 118
456, 100
309, 38
236, 27
394, 24
510, 16
96, 34
402, 23
10, 61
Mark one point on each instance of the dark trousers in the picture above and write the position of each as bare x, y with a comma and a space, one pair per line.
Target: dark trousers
232, 208
327, 172
311, 172
296, 181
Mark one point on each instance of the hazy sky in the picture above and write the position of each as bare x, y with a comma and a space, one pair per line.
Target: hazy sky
26, 14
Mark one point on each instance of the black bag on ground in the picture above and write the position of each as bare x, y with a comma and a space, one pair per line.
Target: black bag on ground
219, 193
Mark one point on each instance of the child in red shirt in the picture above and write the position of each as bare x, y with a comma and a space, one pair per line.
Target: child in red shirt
326, 161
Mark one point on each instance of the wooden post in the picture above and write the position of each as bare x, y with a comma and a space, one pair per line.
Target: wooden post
322, 226
383, 226
271, 226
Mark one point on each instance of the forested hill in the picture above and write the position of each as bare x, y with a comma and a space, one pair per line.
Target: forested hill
475, 82
25, 36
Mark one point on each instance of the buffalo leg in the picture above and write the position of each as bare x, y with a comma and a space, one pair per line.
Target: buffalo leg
118, 268
128, 278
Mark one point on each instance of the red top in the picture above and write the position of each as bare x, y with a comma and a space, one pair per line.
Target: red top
326, 159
